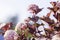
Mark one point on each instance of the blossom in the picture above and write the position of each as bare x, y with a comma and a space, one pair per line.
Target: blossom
33, 8
56, 37
5, 26
10, 35
53, 3
58, 4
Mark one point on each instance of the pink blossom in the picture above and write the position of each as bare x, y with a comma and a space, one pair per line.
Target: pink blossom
10, 35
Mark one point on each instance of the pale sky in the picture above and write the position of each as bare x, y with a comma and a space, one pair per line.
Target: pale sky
12, 8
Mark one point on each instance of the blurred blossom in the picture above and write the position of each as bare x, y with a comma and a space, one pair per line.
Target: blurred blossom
33, 8
58, 4
10, 35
